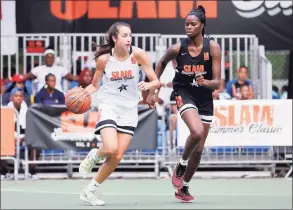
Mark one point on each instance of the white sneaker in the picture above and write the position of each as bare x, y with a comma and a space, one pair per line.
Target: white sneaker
34, 177
91, 197
89, 162
9, 176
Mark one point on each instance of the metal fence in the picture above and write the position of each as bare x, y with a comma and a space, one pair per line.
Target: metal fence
75, 51
70, 160
280, 67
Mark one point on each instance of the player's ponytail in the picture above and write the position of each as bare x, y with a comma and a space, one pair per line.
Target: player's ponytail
108, 40
203, 17
202, 9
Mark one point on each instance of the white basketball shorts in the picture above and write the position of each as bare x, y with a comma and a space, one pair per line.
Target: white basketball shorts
124, 120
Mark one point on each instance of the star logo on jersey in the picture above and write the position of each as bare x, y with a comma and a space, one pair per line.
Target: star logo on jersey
194, 83
122, 87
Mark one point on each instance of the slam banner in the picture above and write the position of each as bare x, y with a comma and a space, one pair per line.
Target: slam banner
270, 21
247, 123
53, 127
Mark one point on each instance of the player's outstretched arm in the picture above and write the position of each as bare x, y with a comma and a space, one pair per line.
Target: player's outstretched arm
142, 58
100, 66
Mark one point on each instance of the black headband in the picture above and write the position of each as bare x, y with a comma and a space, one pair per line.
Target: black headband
199, 14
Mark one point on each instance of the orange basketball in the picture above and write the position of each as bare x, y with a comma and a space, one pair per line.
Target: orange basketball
78, 100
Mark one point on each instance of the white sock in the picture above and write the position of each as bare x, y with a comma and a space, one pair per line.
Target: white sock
185, 183
96, 156
93, 185
183, 162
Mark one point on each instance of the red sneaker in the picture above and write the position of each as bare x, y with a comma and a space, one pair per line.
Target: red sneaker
183, 195
178, 175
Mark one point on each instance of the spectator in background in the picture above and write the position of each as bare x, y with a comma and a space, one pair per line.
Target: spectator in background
166, 89
40, 72
173, 121
7, 75
18, 82
275, 92
244, 92
48, 94
18, 103
2, 87
85, 78
284, 92
242, 75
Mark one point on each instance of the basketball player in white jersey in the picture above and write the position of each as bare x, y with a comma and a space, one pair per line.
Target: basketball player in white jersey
118, 64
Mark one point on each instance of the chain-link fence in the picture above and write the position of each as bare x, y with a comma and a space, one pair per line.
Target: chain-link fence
280, 63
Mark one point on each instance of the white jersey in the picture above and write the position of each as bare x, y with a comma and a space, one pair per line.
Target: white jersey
120, 83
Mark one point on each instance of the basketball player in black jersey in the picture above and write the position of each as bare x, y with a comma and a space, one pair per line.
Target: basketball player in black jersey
197, 75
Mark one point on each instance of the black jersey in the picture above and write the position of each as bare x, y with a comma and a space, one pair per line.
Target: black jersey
188, 66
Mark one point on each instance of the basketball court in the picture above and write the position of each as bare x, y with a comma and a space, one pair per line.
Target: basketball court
150, 194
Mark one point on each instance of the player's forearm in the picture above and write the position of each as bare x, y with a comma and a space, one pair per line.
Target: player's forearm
160, 67
213, 84
154, 85
91, 89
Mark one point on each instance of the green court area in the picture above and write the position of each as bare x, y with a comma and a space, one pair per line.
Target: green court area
149, 194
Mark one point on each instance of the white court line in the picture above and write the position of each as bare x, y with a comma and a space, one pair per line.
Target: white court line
136, 194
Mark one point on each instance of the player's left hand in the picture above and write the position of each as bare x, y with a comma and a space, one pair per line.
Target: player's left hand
200, 80
143, 86
151, 100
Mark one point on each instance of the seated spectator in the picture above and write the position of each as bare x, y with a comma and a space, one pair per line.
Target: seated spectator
7, 75
244, 92
40, 72
85, 79
275, 92
242, 75
2, 87
48, 94
18, 103
28, 85
284, 92
18, 82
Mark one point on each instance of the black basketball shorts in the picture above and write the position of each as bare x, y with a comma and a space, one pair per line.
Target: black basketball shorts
186, 101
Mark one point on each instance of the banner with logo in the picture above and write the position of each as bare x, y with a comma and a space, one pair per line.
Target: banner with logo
269, 20
53, 127
7, 138
247, 123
